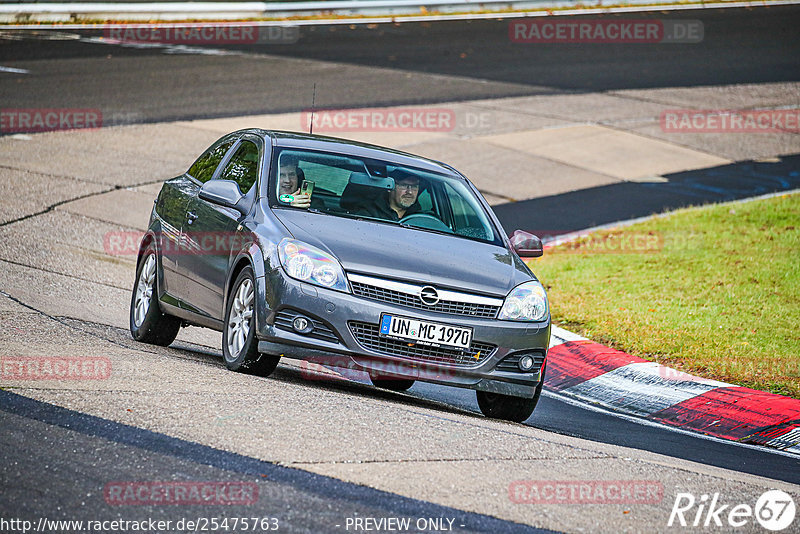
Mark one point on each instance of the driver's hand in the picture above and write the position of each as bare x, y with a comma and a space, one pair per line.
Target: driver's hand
301, 201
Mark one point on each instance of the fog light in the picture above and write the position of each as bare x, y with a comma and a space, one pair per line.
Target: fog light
302, 325
525, 363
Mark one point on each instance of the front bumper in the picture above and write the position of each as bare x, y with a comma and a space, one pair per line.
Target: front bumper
340, 317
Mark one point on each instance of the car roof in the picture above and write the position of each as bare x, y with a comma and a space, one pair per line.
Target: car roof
286, 139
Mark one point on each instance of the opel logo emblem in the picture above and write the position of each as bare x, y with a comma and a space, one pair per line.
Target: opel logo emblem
429, 296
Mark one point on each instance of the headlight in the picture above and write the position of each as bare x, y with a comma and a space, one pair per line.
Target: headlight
526, 302
310, 264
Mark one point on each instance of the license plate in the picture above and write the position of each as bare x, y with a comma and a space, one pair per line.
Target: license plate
425, 332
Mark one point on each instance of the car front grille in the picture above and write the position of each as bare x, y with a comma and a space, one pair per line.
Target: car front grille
367, 335
284, 318
392, 296
509, 363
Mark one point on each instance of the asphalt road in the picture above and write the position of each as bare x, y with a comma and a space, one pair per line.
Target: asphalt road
385, 64
83, 455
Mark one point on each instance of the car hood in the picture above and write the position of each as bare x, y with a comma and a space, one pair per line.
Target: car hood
391, 251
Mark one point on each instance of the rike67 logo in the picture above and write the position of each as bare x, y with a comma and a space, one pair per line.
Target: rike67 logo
774, 510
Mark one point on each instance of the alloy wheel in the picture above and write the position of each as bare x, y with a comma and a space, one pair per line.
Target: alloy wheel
144, 290
239, 318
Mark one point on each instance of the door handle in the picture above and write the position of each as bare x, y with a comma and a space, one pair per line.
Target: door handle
191, 216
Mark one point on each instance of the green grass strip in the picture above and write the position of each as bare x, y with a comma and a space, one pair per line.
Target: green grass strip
712, 291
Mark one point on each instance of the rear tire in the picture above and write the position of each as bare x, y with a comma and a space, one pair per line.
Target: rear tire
239, 343
148, 323
508, 407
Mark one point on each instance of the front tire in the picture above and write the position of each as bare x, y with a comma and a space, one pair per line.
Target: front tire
148, 323
508, 407
239, 343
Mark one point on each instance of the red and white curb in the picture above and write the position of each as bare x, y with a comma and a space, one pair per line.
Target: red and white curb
592, 373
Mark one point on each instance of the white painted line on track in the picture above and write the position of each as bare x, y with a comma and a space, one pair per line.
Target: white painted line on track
12, 69
168, 48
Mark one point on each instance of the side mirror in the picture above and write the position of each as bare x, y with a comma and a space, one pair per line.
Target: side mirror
526, 245
223, 192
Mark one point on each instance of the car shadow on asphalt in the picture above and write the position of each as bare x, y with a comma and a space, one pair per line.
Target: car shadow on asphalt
577, 210
291, 371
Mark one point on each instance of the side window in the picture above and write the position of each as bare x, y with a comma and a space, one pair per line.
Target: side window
203, 169
243, 166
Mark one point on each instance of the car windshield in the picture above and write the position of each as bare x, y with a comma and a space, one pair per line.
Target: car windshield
348, 186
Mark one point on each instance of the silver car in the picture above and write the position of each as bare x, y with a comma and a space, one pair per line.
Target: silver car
349, 256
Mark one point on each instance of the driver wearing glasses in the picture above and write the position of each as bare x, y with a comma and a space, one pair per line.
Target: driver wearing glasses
399, 202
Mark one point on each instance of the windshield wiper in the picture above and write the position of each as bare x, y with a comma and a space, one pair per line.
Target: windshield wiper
406, 225
359, 217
